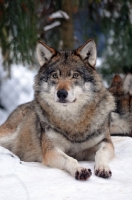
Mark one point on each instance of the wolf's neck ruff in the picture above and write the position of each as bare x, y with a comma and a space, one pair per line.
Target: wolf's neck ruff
77, 128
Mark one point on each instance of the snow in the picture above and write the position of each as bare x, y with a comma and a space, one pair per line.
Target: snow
22, 180
56, 15
98, 62
16, 90
59, 14
52, 25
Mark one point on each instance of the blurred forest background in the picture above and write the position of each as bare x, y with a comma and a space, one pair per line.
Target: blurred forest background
64, 24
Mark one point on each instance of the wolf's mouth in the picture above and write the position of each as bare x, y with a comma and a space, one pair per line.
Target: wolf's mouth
63, 101
66, 102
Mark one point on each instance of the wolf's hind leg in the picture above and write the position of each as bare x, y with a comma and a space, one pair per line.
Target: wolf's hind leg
103, 156
6, 130
14, 119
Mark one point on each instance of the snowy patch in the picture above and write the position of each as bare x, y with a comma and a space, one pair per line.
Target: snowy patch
59, 14
53, 25
22, 180
16, 90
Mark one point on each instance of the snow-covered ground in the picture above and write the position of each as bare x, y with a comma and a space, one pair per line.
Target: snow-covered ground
24, 181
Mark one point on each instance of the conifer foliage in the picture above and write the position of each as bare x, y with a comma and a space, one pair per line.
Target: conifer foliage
117, 26
18, 31
24, 22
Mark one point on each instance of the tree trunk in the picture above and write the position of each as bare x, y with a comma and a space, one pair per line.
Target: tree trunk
67, 26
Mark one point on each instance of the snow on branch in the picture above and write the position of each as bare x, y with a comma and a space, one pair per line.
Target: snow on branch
59, 14
53, 25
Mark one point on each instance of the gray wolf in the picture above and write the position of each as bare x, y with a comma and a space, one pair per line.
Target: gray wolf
69, 118
121, 118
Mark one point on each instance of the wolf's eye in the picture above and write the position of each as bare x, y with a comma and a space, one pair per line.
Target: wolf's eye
55, 75
75, 75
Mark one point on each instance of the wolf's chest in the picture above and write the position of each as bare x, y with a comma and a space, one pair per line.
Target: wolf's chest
60, 141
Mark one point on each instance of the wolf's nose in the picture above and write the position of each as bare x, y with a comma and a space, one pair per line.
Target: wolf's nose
62, 94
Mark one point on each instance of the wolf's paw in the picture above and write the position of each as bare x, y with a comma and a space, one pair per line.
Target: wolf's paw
83, 174
103, 172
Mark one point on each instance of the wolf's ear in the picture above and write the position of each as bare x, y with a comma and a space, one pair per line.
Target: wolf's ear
116, 80
127, 85
44, 53
88, 51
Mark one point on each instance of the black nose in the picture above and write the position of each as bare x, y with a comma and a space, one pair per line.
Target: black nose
62, 94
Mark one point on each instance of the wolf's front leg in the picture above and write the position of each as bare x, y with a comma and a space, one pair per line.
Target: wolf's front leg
56, 158
104, 154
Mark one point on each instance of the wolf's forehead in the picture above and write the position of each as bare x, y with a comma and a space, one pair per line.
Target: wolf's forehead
66, 61
67, 57
63, 61
65, 54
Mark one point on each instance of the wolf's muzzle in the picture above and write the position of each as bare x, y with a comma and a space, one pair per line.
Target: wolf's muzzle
62, 94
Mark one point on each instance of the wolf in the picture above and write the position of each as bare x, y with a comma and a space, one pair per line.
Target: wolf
121, 118
69, 119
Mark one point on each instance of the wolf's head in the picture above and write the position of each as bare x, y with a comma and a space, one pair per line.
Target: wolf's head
121, 119
122, 91
67, 77
68, 90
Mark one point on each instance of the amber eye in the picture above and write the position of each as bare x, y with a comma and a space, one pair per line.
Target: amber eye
55, 75
75, 75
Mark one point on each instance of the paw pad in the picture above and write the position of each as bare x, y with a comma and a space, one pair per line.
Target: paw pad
83, 174
103, 173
